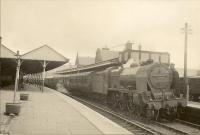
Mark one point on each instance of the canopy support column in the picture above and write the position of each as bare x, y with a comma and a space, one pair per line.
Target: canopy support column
43, 75
44, 65
17, 75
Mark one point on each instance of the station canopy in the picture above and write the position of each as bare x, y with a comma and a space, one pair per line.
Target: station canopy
32, 61
6, 53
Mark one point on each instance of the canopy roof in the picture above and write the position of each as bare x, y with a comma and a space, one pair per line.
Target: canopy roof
35, 66
6, 53
44, 53
7, 62
33, 60
96, 66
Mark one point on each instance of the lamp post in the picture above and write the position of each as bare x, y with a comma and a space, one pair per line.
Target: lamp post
43, 75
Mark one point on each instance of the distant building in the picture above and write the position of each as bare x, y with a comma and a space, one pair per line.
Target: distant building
84, 60
105, 54
128, 56
140, 56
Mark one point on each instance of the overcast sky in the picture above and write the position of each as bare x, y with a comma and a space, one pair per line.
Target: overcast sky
71, 26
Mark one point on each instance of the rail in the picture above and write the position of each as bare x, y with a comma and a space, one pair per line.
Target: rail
134, 127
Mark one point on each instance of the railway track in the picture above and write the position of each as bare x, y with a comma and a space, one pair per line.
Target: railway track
134, 127
177, 127
180, 126
188, 123
176, 130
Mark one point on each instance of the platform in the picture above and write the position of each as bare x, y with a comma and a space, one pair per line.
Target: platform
193, 104
192, 112
51, 112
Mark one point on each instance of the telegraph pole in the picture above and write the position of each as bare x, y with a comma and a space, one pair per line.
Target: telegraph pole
186, 31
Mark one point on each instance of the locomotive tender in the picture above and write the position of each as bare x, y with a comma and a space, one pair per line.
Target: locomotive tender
140, 89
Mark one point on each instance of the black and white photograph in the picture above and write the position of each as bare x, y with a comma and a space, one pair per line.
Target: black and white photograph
99, 67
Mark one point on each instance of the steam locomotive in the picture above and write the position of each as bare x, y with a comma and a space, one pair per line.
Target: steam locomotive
143, 89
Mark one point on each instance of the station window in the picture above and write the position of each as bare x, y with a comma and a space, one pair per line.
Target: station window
135, 56
155, 57
165, 58
144, 56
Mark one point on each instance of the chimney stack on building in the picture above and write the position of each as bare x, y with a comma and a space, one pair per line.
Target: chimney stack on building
128, 46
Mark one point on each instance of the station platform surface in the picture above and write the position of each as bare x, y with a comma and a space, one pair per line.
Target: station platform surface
52, 112
193, 104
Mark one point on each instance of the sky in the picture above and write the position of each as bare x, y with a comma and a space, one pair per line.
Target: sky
71, 26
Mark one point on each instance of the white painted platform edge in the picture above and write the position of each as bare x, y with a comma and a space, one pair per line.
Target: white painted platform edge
193, 104
105, 125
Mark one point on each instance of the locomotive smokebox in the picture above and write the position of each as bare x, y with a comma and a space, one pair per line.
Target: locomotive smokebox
155, 76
